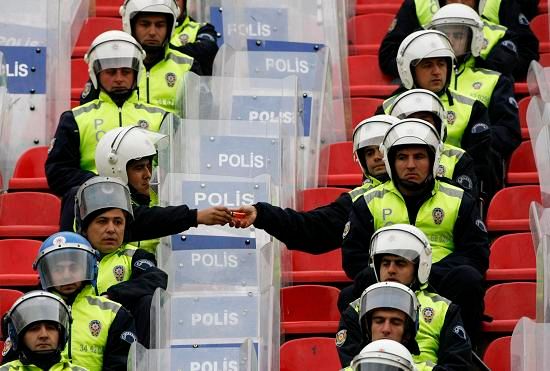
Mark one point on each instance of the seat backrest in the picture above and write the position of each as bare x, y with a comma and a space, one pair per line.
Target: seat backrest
519, 196
29, 208
497, 354
544, 59
539, 25
340, 160
522, 159
369, 28
79, 73
511, 300
312, 198
309, 303
523, 104
17, 256
330, 261
31, 163
363, 108
7, 298
313, 353
95, 26
364, 70
514, 250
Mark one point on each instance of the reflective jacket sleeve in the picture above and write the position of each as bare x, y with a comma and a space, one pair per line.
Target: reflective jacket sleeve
63, 162
504, 114
405, 23
144, 280
355, 247
464, 175
503, 57
122, 333
316, 231
204, 49
349, 338
455, 348
155, 222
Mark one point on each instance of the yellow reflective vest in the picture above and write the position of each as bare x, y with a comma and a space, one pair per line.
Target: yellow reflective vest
63, 365
115, 267
186, 32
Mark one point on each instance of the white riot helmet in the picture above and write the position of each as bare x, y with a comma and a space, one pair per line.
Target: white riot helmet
383, 355
420, 100
420, 45
114, 49
118, 146
390, 295
406, 241
411, 132
455, 20
370, 132
131, 8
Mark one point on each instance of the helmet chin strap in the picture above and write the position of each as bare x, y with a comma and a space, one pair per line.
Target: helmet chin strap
415, 189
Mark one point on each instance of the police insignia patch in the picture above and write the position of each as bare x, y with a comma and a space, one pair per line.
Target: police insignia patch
144, 264
438, 215
513, 102
440, 171
128, 337
7, 347
481, 225
485, 43
170, 79
346, 229
59, 240
184, 39
52, 143
460, 332
143, 124
428, 314
465, 181
95, 327
451, 117
341, 337
118, 271
87, 90
392, 25
477, 85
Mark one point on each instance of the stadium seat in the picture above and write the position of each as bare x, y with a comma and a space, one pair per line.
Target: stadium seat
365, 32
7, 298
497, 354
509, 208
29, 172
539, 25
366, 79
79, 77
544, 60
312, 198
512, 258
377, 6
309, 309
314, 353
342, 169
362, 108
16, 258
28, 215
521, 167
523, 104
107, 8
506, 303
322, 268
91, 28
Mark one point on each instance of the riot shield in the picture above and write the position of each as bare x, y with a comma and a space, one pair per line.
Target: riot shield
530, 342
538, 81
5, 125
539, 222
543, 279
37, 52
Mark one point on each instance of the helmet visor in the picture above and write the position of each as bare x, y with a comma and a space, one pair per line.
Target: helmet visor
370, 365
64, 266
115, 54
369, 134
103, 195
459, 35
388, 297
39, 308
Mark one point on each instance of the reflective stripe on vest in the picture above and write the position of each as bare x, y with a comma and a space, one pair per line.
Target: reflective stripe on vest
448, 160
425, 9
478, 83
115, 268
369, 183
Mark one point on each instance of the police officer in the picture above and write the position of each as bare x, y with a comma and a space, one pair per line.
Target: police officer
115, 63
38, 326
517, 45
320, 230
127, 153
455, 163
101, 329
195, 39
126, 275
383, 354
445, 213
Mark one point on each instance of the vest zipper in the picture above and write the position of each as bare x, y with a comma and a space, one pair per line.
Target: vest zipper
120, 116
70, 332
147, 76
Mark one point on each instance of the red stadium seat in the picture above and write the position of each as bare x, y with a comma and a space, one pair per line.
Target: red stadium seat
16, 268
523, 104
309, 309
342, 169
362, 108
79, 77
322, 268
7, 298
312, 198
512, 258
497, 354
314, 353
521, 167
366, 79
107, 8
509, 208
365, 32
506, 303
91, 28
377, 6
539, 25
28, 215
29, 172
544, 60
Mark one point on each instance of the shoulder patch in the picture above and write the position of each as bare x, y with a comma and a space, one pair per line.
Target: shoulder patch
481, 225
341, 337
87, 90
7, 347
144, 264
509, 44
392, 25
346, 229
460, 332
479, 128
128, 336
522, 19
52, 143
513, 102
465, 182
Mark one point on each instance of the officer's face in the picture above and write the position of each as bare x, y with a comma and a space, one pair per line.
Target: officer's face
42, 336
139, 175
431, 74
67, 271
395, 268
412, 164
388, 324
117, 79
106, 231
151, 29
459, 36
374, 160
470, 3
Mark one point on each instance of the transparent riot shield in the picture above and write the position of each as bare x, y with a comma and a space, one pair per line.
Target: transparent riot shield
538, 81
543, 279
274, 59
4, 124
529, 346
539, 222
37, 52
541, 146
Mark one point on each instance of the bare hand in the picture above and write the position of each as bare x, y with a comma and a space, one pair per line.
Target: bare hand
217, 215
244, 216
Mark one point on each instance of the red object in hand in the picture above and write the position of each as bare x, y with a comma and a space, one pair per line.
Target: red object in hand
238, 215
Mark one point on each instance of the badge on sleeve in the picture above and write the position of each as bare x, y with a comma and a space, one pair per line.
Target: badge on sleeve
128, 337
481, 225
346, 229
460, 332
7, 347
144, 264
52, 143
341, 337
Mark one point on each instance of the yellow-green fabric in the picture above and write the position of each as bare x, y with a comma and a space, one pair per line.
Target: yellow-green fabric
492, 34
450, 156
63, 365
436, 217
92, 317
491, 11
97, 117
161, 84
115, 268
370, 182
425, 9
478, 83
185, 33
